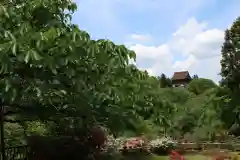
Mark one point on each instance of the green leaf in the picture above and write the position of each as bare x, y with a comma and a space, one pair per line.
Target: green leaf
3, 11
35, 55
72, 7
32, 54
8, 34
5, 46
38, 44
8, 85
23, 28
132, 55
14, 49
27, 57
37, 3
74, 36
3, 69
52, 33
14, 94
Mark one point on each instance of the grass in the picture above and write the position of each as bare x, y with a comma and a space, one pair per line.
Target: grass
192, 157
197, 156
188, 157
155, 157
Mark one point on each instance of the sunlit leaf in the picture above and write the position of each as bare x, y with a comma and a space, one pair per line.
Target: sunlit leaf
14, 49
27, 57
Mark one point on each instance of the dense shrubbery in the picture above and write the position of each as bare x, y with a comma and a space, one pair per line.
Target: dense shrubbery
56, 81
162, 146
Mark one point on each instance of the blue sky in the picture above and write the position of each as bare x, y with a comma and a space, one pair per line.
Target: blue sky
148, 27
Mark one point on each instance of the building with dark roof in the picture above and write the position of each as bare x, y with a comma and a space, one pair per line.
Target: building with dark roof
181, 78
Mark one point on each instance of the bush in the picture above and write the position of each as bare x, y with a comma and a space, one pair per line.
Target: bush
111, 150
199, 86
113, 144
162, 146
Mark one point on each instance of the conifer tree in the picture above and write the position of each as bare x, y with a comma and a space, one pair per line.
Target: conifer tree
230, 62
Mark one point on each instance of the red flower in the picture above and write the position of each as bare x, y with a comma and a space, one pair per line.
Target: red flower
176, 156
134, 143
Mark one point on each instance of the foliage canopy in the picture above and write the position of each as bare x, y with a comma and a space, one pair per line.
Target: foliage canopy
52, 73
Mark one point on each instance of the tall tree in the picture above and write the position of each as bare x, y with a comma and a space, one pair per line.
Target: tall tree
50, 69
165, 81
230, 62
230, 73
195, 76
199, 86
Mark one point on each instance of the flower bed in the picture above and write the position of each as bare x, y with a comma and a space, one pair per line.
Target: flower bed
162, 146
135, 147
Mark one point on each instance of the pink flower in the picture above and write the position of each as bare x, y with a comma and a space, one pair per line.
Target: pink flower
176, 156
133, 143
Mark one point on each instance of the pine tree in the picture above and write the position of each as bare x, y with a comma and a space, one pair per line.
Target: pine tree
230, 62
195, 76
164, 81
230, 73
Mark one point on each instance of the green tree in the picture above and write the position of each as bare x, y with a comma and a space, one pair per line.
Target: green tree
230, 72
230, 57
53, 75
52, 71
199, 86
195, 76
164, 81
199, 116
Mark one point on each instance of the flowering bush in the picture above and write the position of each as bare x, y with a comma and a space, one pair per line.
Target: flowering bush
112, 148
162, 142
133, 143
162, 145
136, 144
176, 156
113, 144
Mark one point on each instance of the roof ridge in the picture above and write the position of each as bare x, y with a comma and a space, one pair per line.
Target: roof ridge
180, 75
180, 71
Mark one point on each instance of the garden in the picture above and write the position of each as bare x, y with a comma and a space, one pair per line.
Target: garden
166, 148
57, 84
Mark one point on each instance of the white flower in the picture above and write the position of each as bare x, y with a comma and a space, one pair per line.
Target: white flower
162, 142
113, 144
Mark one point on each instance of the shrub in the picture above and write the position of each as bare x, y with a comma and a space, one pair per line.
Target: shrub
135, 146
162, 146
113, 144
134, 143
111, 150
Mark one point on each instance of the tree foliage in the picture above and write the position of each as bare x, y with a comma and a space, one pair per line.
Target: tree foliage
50, 69
231, 57
200, 85
53, 74
195, 76
164, 81
230, 73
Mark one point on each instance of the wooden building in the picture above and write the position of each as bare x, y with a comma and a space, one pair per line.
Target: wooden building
181, 78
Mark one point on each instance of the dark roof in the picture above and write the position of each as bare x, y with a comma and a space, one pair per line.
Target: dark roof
181, 75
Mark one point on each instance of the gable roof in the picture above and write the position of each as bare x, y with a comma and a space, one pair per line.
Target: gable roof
181, 75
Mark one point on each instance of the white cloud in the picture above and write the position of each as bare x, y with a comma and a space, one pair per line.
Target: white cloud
141, 37
151, 51
193, 47
192, 27
194, 38
185, 64
161, 55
